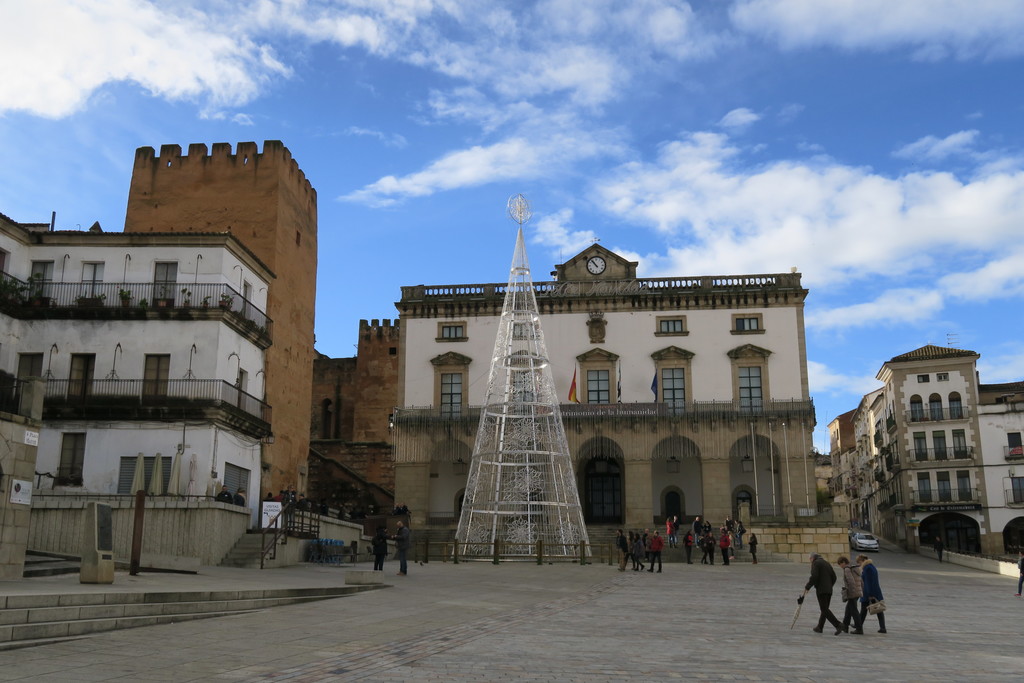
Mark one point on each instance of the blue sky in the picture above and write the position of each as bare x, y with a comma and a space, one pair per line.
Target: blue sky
876, 145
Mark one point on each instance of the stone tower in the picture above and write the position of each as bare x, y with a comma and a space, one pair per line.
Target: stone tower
265, 200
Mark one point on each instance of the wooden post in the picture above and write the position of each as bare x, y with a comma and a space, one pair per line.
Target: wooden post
140, 515
583, 552
426, 551
540, 551
497, 550
455, 553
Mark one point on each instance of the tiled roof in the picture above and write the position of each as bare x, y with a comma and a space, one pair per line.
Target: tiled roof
1005, 387
933, 352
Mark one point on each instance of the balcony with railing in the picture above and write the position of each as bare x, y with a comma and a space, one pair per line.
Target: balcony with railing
890, 423
10, 395
936, 414
918, 455
164, 400
778, 409
1014, 497
878, 439
958, 495
128, 300
1013, 453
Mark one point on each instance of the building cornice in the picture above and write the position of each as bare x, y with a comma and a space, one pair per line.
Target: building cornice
581, 296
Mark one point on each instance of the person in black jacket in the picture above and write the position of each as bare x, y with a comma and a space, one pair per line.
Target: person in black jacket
823, 578
380, 548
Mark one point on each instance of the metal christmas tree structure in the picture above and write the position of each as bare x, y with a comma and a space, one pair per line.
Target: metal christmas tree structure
521, 488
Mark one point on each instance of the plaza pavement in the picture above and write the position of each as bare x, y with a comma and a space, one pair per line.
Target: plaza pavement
523, 622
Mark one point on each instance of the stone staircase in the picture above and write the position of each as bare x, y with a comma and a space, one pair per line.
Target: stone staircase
29, 620
49, 564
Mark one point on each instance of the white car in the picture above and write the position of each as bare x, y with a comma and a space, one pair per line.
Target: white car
863, 542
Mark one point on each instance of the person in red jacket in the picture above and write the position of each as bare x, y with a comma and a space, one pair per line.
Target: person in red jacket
657, 543
725, 543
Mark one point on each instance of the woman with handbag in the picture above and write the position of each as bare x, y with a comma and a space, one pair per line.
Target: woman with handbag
871, 601
853, 589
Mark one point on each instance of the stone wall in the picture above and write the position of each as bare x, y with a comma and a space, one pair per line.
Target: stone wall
202, 530
796, 542
17, 464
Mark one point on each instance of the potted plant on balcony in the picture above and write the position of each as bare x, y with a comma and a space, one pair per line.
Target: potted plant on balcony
11, 291
36, 290
125, 296
186, 297
226, 300
205, 303
91, 301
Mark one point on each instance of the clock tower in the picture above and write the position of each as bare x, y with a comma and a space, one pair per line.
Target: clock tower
595, 263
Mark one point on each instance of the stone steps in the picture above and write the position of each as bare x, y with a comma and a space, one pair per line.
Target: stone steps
27, 620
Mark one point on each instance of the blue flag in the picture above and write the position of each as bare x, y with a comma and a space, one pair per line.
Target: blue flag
654, 385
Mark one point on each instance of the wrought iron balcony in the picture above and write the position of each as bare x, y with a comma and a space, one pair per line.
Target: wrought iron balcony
958, 495
890, 422
137, 399
10, 394
774, 409
1014, 497
940, 454
129, 299
936, 414
1013, 453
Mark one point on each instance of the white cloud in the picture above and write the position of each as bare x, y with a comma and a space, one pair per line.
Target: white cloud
896, 306
838, 223
389, 140
1006, 367
936, 149
507, 160
553, 231
242, 119
74, 47
823, 379
739, 119
1001, 277
935, 29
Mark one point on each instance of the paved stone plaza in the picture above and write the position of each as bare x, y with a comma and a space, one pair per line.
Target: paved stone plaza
521, 622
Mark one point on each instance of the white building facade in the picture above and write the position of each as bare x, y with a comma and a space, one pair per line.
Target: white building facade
680, 396
149, 344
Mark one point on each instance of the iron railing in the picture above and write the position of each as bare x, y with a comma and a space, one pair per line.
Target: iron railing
777, 408
1013, 453
10, 395
153, 393
940, 454
937, 414
957, 495
130, 295
1014, 496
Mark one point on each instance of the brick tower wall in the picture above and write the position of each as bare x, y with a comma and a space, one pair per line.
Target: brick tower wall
375, 392
265, 200
333, 382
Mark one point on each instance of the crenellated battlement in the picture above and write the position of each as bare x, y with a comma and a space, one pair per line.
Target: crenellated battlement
381, 329
246, 158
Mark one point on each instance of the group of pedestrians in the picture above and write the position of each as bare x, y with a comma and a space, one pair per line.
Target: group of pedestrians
860, 588
644, 548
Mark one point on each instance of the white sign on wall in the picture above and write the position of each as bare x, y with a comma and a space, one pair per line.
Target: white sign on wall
269, 509
21, 492
31, 438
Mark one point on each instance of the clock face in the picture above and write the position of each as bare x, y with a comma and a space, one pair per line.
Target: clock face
596, 265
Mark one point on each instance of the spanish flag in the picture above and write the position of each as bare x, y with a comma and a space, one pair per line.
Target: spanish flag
572, 388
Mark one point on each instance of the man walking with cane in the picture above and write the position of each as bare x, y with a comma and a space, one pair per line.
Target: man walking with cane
823, 577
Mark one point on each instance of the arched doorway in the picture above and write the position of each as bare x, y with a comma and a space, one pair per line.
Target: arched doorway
1013, 535
602, 488
672, 503
600, 481
743, 494
958, 532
